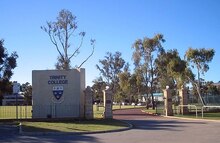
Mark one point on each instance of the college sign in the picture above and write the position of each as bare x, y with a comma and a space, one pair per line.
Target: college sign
58, 93
57, 79
57, 89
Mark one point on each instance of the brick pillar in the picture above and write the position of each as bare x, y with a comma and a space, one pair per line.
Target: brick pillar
88, 103
168, 102
183, 100
107, 93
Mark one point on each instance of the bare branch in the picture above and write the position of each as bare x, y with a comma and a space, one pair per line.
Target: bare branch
60, 39
53, 40
80, 45
71, 33
93, 47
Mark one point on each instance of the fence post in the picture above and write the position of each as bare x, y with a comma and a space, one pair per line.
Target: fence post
183, 101
88, 103
168, 102
107, 93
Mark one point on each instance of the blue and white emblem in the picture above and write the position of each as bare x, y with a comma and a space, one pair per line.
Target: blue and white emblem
58, 92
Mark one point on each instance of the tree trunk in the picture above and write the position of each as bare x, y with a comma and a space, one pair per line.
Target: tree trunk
153, 103
198, 89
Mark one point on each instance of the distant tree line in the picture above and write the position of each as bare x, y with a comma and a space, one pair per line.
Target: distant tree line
154, 69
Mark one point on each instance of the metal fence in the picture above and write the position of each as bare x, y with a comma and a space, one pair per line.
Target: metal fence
160, 108
44, 111
56, 111
15, 112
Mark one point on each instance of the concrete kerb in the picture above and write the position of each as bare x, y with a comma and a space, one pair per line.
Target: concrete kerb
190, 118
196, 119
130, 126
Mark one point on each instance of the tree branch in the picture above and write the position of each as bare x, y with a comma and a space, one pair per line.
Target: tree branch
53, 40
60, 39
197, 89
93, 48
80, 45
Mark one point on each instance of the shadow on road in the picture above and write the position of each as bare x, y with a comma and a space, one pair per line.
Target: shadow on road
143, 121
49, 138
168, 125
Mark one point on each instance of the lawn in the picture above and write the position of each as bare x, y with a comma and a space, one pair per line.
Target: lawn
210, 116
97, 124
9, 112
73, 126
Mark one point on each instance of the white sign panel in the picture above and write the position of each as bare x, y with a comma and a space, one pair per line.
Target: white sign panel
16, 88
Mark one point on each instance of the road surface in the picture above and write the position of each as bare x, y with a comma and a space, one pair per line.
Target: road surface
147, 129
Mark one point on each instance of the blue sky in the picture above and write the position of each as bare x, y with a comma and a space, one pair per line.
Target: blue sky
115, 24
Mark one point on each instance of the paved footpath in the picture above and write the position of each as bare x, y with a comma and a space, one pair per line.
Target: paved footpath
147, 129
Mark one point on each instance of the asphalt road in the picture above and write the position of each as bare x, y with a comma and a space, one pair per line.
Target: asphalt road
147, 129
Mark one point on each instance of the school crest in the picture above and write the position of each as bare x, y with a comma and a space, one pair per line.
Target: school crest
57, 93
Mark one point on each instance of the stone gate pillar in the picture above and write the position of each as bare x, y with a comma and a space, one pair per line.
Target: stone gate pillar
183, 100
107, 93
168, 102
88, 103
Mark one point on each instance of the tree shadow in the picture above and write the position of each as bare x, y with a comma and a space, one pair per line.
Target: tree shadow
49, 138
39, 134
157, 124
144, 121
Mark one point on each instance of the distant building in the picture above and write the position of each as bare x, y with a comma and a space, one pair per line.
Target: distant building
157, 97
13, 99
217, 85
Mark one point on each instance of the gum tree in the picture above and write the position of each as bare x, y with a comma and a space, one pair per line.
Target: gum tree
61, 32
7, 64
199, 59
144, 60
172, 70
110, 67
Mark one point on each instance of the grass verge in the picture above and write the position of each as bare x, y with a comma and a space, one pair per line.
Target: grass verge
74, 126
210, 116
98, 124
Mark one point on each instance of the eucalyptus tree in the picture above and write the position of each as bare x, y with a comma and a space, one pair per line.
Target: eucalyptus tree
144, 60
124, 83
110, 67
26, 88
7, 64
61, 32
127, 83
131, 85
199, 59
172, 70
98, 86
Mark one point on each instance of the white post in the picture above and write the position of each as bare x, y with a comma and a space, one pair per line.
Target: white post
107, 93
16, 90
168, 101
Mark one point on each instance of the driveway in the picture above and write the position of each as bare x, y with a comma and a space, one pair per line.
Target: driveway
147, 129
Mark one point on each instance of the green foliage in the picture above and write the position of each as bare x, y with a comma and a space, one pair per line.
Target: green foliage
172, 70
7, 64
98, 86
209, 88
26, 88
124, 81
111, 66
144, 61
200, 58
